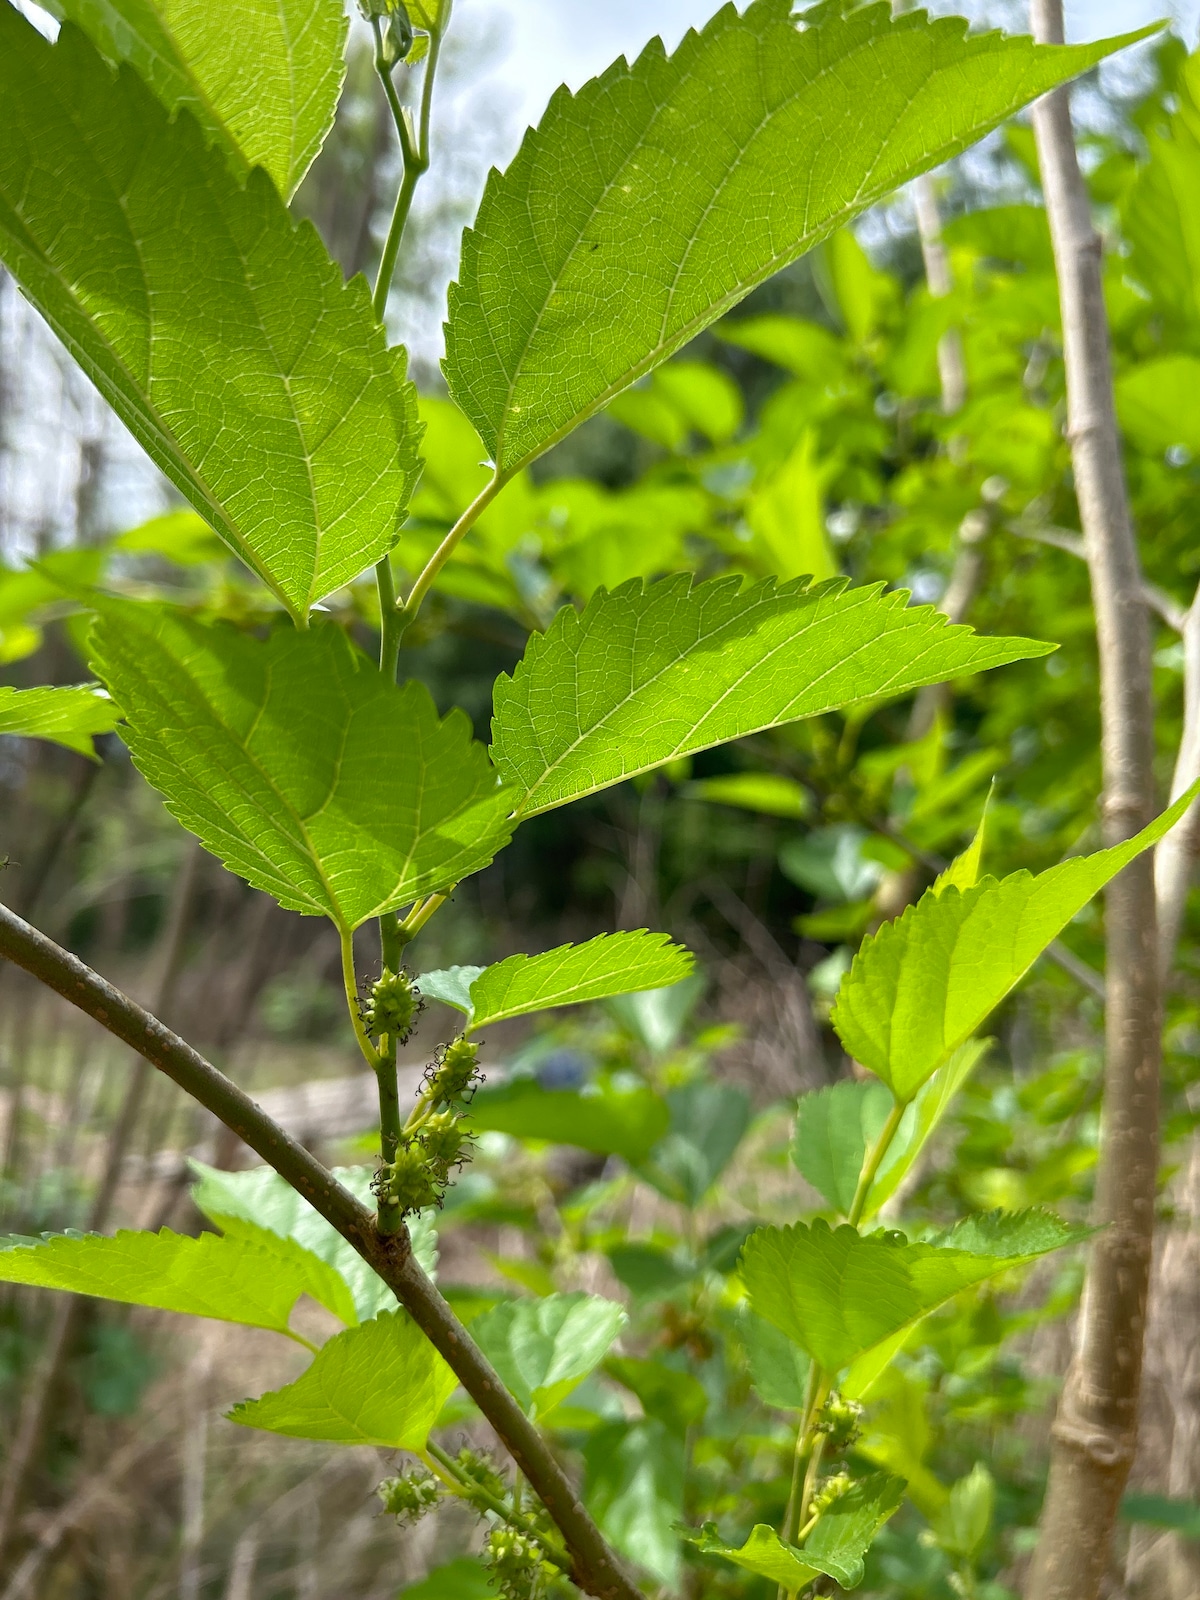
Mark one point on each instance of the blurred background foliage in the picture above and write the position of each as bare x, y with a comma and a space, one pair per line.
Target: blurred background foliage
890, 409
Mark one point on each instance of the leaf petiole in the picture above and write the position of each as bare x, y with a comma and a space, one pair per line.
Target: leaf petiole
446, 1468
446, 549
873, 1161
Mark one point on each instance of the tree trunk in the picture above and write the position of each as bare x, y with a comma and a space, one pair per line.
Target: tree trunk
1095, 1432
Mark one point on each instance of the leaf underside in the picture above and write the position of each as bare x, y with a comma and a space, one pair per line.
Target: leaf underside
298, 764
653, 672
219, 331
65, 716
922, 985
650, 202
835, 1547
381, 1384
258, 1198
230, 1280
261, 77
543, 1348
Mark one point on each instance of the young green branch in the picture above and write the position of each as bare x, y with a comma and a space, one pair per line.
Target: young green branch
596, 1569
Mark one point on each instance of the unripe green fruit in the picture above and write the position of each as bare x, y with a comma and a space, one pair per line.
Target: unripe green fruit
393, 1006
455, 1072
409, 1496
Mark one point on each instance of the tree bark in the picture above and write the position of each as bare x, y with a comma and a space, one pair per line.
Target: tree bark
1095, 1431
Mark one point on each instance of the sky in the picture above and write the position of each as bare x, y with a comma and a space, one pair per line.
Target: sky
556, 41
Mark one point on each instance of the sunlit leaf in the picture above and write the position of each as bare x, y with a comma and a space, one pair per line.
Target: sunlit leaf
230, 1280
262, 77
298, 764
650, 202
839, 1294
610, 964
219, 331
835, 1547
381, 1383
648, 674
922, 985
64, 716
259, 1198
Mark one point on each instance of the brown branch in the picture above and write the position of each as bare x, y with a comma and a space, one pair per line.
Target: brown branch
1096, 1428
1176, 854
598, 1570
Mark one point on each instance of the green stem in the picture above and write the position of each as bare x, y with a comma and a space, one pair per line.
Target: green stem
350, 984
416, 164
871, 1165
415, 152
447, 547
421, 913
448, 1470
390, 631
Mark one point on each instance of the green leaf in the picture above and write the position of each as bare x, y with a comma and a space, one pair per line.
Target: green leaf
651, 673
764, 1553
1162, 223
450, 985
922, 985
769, 793
619, 1122
456, 1580
179, 536
298, 764
676, 1399
645, 206
634, 1488
230, 1280
258, 1199
920, 1121
778, 1367
835, 1128
382, 1384
841, 1294
846, 1530
64, 716
707, 1124
219, 331
543, 1348
610, 964
261, 77
835, 1547
1155, 401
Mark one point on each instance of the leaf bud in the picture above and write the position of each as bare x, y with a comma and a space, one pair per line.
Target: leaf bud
394, 1005
396, 29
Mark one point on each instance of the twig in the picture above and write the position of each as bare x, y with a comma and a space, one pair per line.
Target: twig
1095, 1432
1169, 609
598, 1571
1176, 854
